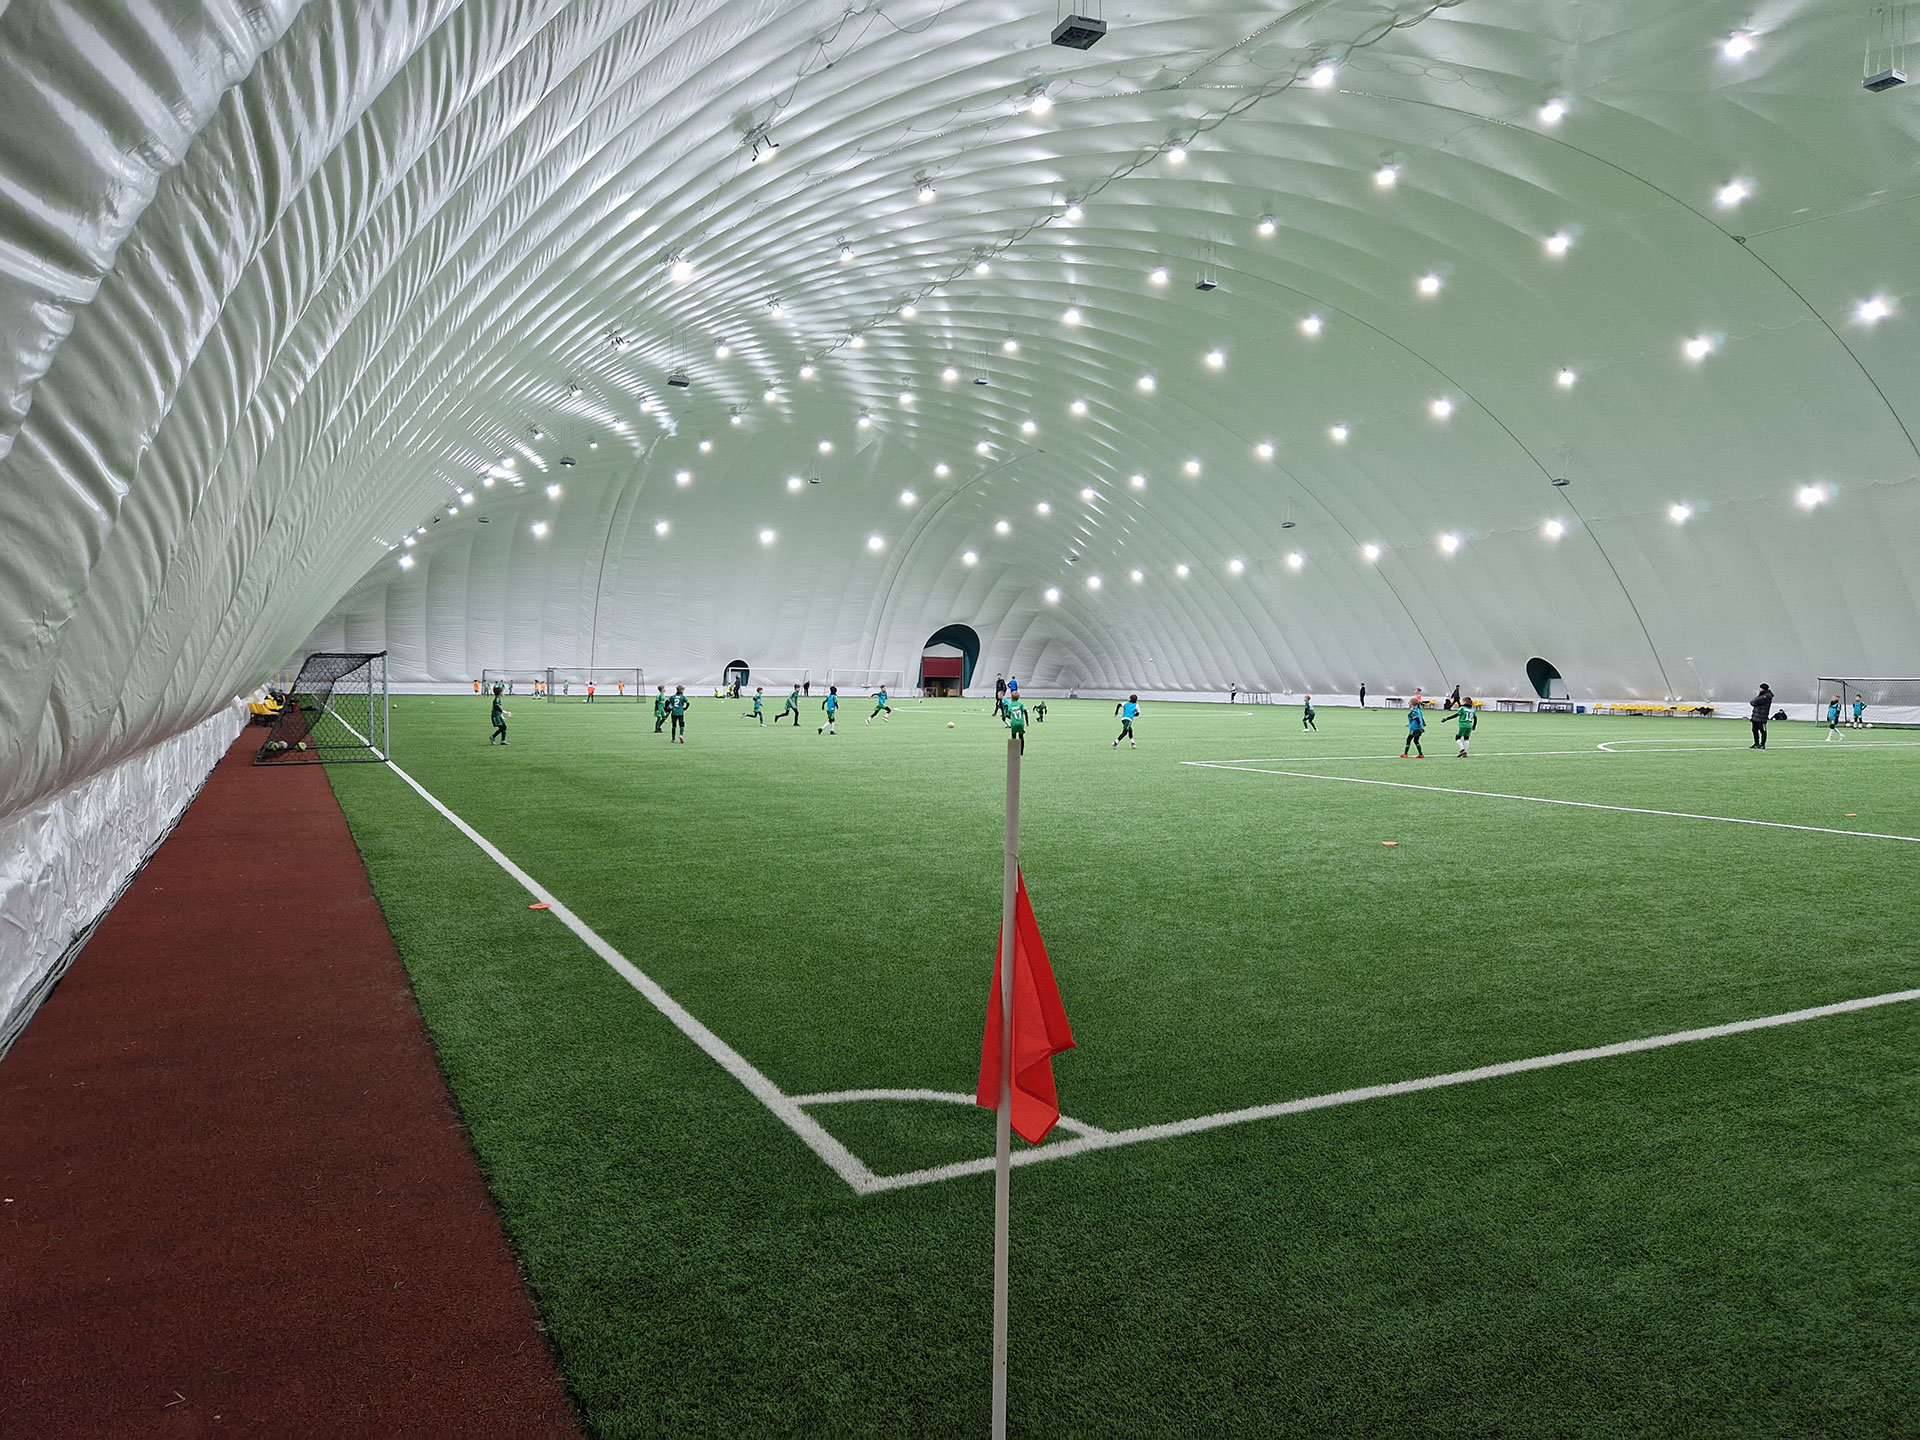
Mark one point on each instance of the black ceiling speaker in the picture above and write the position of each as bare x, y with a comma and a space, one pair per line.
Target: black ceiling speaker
679, 379
1078, 32
1885, 80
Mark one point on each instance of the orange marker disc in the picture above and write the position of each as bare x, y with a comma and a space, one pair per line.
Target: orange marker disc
539, 905
1389, 842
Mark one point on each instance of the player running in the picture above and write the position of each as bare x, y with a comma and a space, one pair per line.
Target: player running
879, 704
759, 699
1129, 711
1306, 715
1468, 722
832, 706
499, 736
677, 713
1833, 718
1416, 727
792, 707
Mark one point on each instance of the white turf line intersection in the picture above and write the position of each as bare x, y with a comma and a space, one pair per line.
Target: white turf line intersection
791, 1109
1546, 800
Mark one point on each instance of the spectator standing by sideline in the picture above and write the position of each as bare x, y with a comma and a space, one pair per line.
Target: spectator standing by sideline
1762, 711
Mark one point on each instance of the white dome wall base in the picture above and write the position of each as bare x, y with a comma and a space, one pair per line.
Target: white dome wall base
64, 861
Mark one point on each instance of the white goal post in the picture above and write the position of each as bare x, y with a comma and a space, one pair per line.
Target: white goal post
866, 682
569, 682
1886, 700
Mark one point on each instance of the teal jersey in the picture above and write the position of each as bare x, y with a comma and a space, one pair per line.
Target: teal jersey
880, 697
831, 705
1858, 707
1129, 711
1416, 720
1833, 713
756, 704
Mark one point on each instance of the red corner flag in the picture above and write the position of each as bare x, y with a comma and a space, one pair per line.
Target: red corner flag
1039, 1030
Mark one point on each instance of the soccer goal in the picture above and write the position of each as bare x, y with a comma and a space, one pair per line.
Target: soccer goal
1886, 701
865, 682
335, 710
567, 682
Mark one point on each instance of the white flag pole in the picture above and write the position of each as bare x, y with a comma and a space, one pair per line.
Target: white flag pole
1003, 1138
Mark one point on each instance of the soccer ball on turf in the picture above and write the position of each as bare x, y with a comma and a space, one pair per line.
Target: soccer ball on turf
949, 724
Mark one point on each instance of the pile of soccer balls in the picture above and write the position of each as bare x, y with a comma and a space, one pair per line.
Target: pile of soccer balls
274, 747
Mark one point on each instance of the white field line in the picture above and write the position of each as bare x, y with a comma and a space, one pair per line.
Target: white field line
1544, 800
1605, 747
1113, 1139
842, 1161
943, 1097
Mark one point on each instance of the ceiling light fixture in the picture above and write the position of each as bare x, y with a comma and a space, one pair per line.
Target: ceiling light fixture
1871, 312
1811, 495
969, 558
1236, 566
1216, 358
1093, 582
1449, 543
539, 527
1078, 407
926, 192
1429, 284
794, 482
1072, 317
1566, 377
942, 470
1181, 570
1558, 244
1372, 552
807, 372
1158, 275
553, 492
1010, 346
1266, 225
659, 527
982, 268
1043, 508
874, 542
1679, 514
1177, 154
1074, 214
1441, 408
1732, 193
1295, 560
1554, 529
1313, 325
1027, 427
1738, 45
908, 311
1699, 347
766, 537
950, 374
1386, 176
1339, 434
683, 477
1053, 596
1192, 467
907, 497
1264, 449
1139, 482
1323, 76
1001, 527
1553, 112
1146, 383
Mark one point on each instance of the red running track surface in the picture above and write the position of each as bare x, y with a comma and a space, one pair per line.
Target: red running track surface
235, 1197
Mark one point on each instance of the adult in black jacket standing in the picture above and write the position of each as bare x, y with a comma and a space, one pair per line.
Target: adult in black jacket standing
1762, 710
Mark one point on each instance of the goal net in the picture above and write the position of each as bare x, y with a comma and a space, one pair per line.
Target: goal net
335, 710
865, 682
568, 682
1883, 700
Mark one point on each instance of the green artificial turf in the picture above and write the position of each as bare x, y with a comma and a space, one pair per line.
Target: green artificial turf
1712, 1240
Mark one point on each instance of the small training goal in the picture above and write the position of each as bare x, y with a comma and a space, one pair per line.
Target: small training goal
336, 710
1884, 700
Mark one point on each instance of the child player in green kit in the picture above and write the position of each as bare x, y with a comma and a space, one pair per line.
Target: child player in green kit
499, 736
1015, 715
1468, 723
659, 708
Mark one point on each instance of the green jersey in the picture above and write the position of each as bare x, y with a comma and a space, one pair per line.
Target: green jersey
677, 706
1467, 721
756, 704
1017, 716
499, 715
793, 701
659, 705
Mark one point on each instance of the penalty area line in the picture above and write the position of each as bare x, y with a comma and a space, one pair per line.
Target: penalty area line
1546, 800
1113, 1139
842, 1161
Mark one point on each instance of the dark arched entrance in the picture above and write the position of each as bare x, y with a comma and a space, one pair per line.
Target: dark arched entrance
947, 660
736, 673
1545, 680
